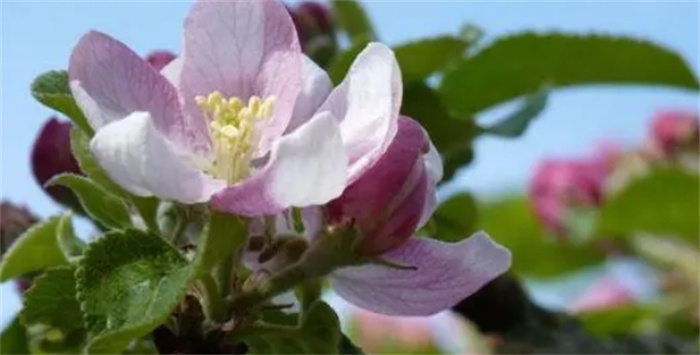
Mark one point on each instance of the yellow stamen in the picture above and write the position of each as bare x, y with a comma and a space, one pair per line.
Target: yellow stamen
235, 130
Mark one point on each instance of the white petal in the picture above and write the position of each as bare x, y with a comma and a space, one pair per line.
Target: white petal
140, 159
316, 85
172, 71
306, 167
367, 103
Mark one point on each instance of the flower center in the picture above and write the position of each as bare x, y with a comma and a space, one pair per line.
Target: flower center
235, 130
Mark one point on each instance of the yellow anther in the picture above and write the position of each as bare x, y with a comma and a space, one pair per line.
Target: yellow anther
235, 104
254, 105
266, 108
234, 128
229, 131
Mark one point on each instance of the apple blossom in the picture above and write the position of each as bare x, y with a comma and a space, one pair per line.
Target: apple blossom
560, 185
675, 131
216, 124
387, 203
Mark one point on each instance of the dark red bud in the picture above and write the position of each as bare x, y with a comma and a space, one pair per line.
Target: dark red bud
14, 220
319, 13
51, 156
160, 58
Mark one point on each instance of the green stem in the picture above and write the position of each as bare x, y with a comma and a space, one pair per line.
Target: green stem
212, 302
327, 253
224, 272
180, 226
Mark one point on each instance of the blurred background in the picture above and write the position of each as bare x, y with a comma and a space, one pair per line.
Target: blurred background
578, 125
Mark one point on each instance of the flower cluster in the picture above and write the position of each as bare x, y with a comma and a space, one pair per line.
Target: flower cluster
247, 124
561, 187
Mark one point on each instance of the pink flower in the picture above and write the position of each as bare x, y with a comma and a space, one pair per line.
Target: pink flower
675, 131
388, 199
560, 185
51, 156
607, 292
241, 118
388, 203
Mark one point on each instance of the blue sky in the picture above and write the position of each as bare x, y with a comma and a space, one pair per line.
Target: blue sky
38, 35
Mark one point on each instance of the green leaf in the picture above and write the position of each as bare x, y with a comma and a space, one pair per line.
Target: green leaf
128, 283
420, 59
455, 219
70, 244
455, 159
618, 320
101, 205
520, 64
351, 17
515, 124
224, 235
511, 222
348, 347
664, 201
452, 137
80, 146
341, 63
320, 328
317, 333
13, 339
52, 301
51, 89
35, 250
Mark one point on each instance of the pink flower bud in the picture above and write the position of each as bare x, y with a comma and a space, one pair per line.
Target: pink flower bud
160, 58
675, 131
559, 185
52, 155
387, 202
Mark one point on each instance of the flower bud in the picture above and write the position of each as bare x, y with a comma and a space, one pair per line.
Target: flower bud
318, 15
52, 155
316, 30
14, 220
160, 58
674, 132
387, 201
558, 186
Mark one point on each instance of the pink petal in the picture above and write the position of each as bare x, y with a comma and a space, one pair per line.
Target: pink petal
367, 102
144, 162
446, 274
242, 48
110, 81
306, 167
387, 201
315, 88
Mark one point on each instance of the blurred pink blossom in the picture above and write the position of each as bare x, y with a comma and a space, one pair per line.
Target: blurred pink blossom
559, 185
674, 131
606, 292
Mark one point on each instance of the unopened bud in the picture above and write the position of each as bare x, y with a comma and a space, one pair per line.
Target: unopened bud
160, 58
316, 30
52, 155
